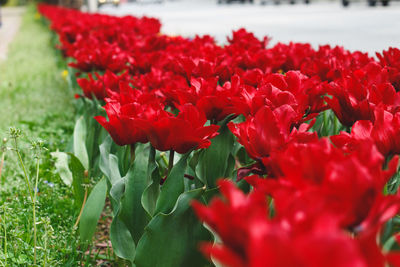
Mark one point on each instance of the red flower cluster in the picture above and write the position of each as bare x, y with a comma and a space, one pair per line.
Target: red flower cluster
358, 93
328, 207
234, 79
302, 233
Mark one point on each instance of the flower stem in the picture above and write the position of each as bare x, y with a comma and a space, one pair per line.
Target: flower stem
83, 205
23, 168
35, 192
164, 158
335, 125
45, 244
2, 163
132, 152
5, 235
152, 154
171, 160
324, 130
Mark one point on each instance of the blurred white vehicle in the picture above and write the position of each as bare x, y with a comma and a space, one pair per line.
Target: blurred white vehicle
105, 2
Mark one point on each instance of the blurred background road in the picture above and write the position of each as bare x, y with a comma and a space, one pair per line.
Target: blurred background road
357, 27
10, 20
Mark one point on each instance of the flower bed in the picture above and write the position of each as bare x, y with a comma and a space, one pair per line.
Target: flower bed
306, 139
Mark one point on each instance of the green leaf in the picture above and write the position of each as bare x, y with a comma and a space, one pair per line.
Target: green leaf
172, 239
242, 155
392, 186
109, 163
152, 191
92, 210
121, 240
230, 167
214, 161
173, 186
105, 149
78, 179
80, 142
195, 160
216, 241
90, 138
116, 192
327, 124
244, 186
210, 194
123, 153
62, 167
93, 108
115, 176
132, 212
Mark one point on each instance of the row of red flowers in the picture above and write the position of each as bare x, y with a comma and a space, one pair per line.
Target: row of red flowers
316, 201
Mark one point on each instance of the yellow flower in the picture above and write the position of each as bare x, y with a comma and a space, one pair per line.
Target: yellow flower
37, 16
64, 74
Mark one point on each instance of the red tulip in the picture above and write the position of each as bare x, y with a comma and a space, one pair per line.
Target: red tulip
391, 59
269, 130
129, 124
384, 132
183, 132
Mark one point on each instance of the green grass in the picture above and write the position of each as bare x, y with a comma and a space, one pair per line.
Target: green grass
31, 86
35, 98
